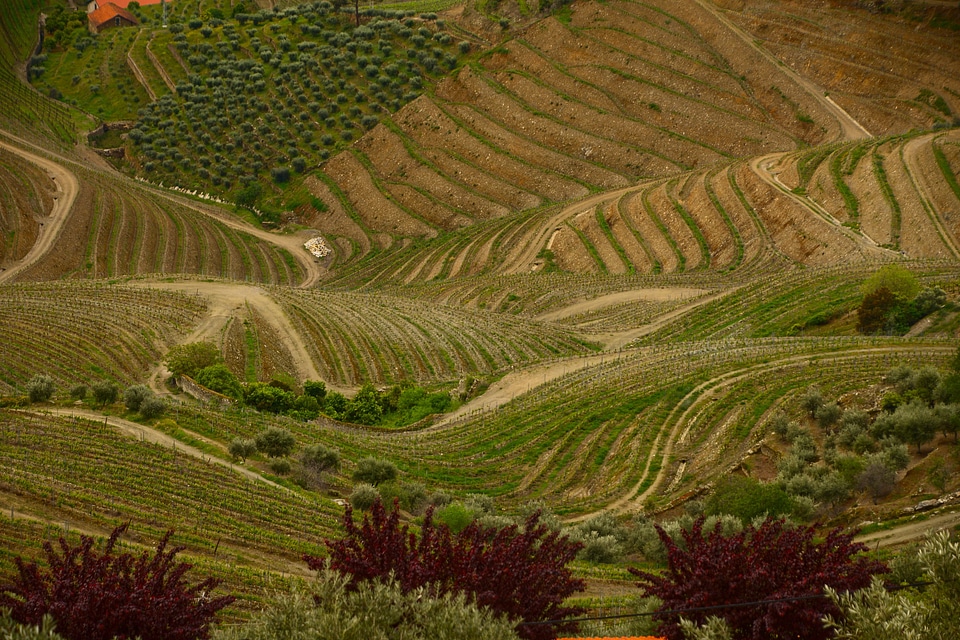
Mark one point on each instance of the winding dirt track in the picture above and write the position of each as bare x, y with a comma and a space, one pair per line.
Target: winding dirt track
57, 166
516, 383
633, 501
910, 531
849, 127
909, 153
148, 434
67, 189
868, 248
225, 300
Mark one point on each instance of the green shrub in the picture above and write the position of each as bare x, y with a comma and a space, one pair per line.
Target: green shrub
275, 442
134, 396
220, 379
153, 407
363, 496
375, 471
320, 458
370, 609
747, 499
105, 393
280, 466
455, 515
188, 359
241, 449
40, 388
10, 629
599, 548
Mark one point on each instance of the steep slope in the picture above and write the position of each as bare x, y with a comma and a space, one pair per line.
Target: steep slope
621, 92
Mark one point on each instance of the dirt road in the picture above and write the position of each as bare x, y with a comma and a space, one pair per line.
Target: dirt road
849, 127
516, 383
910, 531
225, 300
57, 167
909, 153
148, 434
869, 249
659, 294
67, 189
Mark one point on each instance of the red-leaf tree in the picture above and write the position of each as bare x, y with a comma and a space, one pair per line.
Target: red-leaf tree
772, 562
519, 572
99, 595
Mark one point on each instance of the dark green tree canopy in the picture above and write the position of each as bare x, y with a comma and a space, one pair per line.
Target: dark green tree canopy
188, 359
275, 442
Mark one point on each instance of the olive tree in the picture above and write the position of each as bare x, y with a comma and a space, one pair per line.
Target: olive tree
40, 388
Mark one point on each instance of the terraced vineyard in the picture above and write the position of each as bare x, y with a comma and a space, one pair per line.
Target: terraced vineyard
788, 304
596, 435
639, 227
123, 229
563, 110
841, 203
24, 189
22, 109
890, 75
81, 332
356, 338
155, 487
86, 474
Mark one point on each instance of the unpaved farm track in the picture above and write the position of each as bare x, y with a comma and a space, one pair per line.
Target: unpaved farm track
910, 531
918, 179
67, 189
633, 500
225, 300
849, 127
867, 247
149, 434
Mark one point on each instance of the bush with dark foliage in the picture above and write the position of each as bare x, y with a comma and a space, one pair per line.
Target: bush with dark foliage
99, 595
772, 562
519, 572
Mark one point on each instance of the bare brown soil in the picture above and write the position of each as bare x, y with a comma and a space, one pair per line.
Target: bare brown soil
377, 212
873, 65
395, 165
919, 233
588, 225
807, 238
928, 176
694, 199
25, 196
637, 217
625, 236
67, 189
433, 129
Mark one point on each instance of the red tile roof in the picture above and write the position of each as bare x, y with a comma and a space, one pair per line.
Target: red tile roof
123, 3
108, 12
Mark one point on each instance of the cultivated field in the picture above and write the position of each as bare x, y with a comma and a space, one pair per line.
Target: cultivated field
623, 235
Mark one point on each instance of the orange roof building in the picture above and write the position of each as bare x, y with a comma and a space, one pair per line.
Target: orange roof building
93, 5
109, 16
